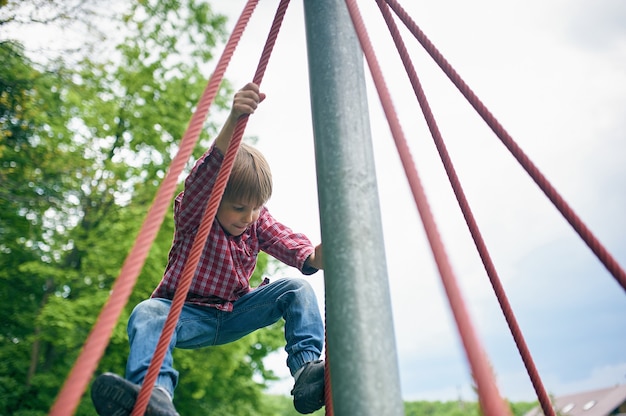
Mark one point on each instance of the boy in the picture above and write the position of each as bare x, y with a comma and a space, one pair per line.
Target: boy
220, 306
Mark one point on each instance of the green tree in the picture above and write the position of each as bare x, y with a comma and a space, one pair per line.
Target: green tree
458, 408
83, 148
32, 178
521, 408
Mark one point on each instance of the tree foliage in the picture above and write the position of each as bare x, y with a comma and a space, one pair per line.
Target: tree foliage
457, 408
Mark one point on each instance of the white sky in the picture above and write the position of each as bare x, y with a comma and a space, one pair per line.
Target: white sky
554, 75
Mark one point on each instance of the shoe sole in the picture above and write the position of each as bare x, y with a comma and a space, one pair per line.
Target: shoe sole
308, 405
111, 396
114, 396
309, 398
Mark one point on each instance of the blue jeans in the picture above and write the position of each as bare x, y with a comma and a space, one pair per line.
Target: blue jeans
199, 326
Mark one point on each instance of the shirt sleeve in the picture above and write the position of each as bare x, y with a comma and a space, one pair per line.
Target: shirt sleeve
189, 205
282, 243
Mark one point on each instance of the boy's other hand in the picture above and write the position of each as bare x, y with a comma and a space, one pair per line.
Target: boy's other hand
315, 259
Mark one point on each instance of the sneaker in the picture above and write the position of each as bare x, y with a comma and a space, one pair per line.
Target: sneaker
308, 391
113, 395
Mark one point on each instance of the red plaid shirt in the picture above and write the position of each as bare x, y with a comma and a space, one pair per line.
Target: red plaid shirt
227, 262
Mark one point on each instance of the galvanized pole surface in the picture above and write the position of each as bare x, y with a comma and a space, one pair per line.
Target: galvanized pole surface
361, 340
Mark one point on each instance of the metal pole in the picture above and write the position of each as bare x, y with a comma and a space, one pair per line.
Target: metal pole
361, 340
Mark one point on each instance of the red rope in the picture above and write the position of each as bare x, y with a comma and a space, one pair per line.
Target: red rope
496, 283
203, 230
94, 347
579, 226
328, 391
491, 402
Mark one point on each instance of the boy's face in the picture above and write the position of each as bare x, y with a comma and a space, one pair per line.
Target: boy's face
236, 217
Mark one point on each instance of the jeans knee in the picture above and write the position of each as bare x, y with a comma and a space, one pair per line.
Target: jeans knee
301, 286
147, 314
298, 292
295, 283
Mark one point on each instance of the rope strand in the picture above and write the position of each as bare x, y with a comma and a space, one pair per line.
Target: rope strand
568, 213
492, 273
491, 402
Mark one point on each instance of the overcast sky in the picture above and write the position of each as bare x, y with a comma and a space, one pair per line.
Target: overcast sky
554, 74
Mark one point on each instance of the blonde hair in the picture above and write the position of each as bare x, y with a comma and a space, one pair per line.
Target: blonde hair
250, 180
